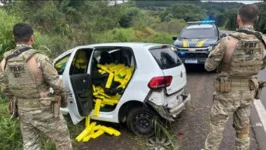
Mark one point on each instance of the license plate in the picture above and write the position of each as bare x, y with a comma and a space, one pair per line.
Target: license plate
191, 61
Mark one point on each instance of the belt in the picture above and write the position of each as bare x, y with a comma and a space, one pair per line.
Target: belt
240, 83
28, 104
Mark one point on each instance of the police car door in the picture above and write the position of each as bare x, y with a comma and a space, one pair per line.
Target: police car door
78, 83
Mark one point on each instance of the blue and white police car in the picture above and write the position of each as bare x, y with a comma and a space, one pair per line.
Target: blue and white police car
196, 40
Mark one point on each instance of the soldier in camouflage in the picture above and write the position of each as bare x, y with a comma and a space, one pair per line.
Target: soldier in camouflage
238, 57
28, 76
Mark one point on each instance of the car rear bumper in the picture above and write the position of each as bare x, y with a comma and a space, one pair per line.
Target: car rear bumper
178, 109
170, 113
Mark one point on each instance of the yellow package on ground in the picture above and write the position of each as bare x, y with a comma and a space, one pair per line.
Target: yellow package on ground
85, 132
93, 131
97, 107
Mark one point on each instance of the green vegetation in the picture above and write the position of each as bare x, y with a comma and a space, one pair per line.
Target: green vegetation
63, 24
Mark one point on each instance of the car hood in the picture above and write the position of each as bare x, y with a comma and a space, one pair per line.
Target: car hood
194, 43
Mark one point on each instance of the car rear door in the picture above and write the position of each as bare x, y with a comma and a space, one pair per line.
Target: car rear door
79, 87
172, 66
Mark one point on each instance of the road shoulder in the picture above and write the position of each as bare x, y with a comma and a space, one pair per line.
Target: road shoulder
258, 122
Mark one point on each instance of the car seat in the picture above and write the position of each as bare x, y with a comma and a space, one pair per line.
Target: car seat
106, 58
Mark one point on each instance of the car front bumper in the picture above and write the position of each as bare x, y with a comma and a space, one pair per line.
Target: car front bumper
195, 60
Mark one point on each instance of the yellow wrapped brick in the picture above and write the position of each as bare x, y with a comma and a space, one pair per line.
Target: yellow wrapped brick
97, 134
87, 138
109, 80
87, 121
97, 107
110, 101
107, 130
85, 132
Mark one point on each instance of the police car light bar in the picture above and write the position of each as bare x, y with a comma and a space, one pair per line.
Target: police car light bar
202, 22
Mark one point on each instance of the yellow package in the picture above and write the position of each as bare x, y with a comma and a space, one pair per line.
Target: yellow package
97, 107
97, 134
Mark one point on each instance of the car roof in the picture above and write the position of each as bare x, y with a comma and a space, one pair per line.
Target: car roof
122, 44
200, 26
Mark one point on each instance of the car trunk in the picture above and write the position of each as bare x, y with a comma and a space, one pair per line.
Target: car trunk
172, 68
178, 79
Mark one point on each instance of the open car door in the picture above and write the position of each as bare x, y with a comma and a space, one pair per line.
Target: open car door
79, 85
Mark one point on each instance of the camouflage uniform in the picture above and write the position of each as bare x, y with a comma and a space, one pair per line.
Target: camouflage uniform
28, 77
237, 63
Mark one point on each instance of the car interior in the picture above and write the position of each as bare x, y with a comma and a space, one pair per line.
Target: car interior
107, 56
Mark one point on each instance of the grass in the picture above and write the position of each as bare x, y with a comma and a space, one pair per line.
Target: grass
9, 129
11, 138
162, 130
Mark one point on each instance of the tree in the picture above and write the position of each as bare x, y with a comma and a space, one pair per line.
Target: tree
188, 12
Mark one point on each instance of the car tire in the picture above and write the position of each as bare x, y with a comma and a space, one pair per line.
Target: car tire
140, 121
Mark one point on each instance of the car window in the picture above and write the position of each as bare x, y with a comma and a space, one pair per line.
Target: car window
80, 62
61, 64
166, 58
198, 33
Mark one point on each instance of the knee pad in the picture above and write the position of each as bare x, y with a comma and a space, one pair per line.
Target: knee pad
242, 132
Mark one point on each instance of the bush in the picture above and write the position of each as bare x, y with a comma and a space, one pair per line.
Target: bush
9, 130
129, 16
7, 23
172, 27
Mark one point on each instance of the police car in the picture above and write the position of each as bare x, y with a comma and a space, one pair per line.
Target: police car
196, 40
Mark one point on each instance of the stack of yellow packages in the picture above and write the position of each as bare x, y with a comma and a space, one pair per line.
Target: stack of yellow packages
118, 73
93, 131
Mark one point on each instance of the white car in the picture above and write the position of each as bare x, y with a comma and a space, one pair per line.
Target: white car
155, 88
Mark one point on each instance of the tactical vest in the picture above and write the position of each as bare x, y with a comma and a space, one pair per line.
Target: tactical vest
247, 59
21, 81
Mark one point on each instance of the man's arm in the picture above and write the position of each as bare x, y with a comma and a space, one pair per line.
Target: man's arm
52, 78
216, 55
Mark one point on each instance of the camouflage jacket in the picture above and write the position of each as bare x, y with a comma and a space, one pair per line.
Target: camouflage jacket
220, 56
44, 73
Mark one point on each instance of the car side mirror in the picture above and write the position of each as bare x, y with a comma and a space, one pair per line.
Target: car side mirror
174, 38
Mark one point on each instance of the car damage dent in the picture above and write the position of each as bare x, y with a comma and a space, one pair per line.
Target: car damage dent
161, 110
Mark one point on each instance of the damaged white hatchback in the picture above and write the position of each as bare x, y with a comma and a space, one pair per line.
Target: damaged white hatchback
123, 82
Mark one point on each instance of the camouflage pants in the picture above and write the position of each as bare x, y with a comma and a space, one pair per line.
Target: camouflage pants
33, 123
237, 103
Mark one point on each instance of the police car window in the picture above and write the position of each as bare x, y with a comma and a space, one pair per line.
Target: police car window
61, 64
166, 58
198, 33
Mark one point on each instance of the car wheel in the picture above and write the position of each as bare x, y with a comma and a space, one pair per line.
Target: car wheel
140, 121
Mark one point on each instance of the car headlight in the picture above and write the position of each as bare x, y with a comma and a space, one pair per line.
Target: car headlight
173, 48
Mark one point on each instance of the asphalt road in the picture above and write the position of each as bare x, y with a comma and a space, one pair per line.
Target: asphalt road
190, 131
262, 77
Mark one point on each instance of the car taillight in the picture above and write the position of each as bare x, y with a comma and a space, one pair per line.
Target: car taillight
160, 82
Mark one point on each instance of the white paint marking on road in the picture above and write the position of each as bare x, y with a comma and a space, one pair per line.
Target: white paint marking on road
261, 112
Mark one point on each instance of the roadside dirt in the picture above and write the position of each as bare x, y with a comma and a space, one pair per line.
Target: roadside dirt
190, 131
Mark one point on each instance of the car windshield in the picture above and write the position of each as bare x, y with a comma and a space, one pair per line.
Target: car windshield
198, 33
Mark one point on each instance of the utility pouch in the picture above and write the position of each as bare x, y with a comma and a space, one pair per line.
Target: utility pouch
56, 106
223, 84
13, 108
256, 86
